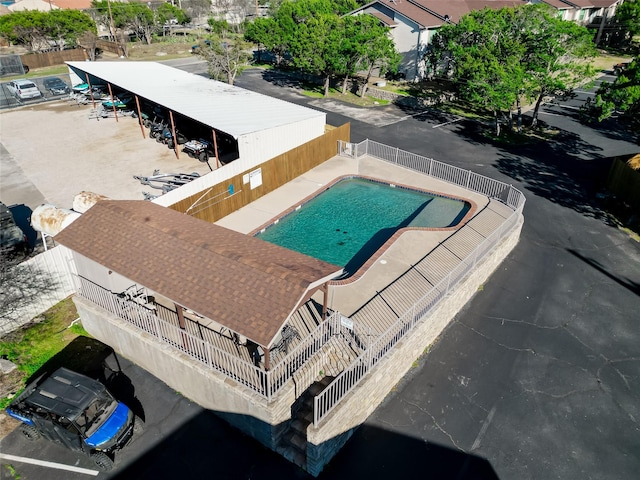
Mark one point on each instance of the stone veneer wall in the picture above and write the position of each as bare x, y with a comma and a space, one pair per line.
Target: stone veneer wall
237, 404
334, 431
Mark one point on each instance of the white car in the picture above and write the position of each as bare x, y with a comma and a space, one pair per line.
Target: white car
23, 89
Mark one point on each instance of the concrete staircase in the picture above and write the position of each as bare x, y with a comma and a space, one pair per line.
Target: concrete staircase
293, 442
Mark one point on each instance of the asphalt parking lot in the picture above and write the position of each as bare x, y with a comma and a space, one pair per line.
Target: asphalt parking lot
538, 378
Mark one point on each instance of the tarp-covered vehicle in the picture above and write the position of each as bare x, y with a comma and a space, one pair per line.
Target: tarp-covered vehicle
76, 412
13, 241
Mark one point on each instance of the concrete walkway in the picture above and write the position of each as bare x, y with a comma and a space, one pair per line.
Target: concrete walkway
410, 249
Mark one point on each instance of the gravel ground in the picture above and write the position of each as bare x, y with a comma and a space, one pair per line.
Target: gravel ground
56, 148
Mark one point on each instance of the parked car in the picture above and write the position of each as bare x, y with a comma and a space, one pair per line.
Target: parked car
23, 89
56, 86
13, 241
13, 69
77, 412
618, 68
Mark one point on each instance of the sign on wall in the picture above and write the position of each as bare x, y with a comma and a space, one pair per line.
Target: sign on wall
255, 178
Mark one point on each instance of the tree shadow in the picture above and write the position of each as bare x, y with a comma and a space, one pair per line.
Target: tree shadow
283, 78
630, 285
618, 127
567, 181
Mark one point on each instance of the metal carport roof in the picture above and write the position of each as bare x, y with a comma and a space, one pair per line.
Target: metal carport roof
226, 108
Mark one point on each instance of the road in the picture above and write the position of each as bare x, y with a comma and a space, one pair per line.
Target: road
537, 378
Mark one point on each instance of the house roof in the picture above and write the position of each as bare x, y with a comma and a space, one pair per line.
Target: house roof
604, 3
407, 9
72, 4
383, 18
43, 6
246, 284
564, 4
227, 108
559, 4
456, 9
432, 13
580, 3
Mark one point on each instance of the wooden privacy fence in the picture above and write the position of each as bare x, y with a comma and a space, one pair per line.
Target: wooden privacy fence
217, 201
39, 60
624, 181
108, 46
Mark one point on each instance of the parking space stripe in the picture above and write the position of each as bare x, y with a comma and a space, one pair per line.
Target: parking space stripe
42, 463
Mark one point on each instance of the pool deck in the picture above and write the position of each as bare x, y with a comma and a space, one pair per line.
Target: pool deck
431, 250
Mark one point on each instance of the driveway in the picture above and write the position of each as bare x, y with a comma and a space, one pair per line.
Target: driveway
537, 378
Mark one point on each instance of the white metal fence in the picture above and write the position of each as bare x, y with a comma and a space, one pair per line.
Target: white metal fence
265, 383
331, 396
442, 171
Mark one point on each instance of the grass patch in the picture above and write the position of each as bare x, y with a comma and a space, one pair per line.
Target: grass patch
36, 344
312, 94
317, 91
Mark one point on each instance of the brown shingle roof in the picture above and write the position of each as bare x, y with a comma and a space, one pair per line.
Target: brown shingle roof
456, 9
73, 4
431, 13
383, 18
559, 4
408, 10
241, 282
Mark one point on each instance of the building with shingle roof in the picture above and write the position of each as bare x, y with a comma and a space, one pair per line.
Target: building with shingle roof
242, 283
414, 22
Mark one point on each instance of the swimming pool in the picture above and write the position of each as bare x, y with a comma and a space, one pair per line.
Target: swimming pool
350, 220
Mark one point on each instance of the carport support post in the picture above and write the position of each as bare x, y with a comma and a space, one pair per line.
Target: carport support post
113, 103
215, 147
140, 117
173, 132
93, 100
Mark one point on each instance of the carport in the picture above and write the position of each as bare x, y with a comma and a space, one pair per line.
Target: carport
254, 125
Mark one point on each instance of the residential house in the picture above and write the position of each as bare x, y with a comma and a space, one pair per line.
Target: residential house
413, 23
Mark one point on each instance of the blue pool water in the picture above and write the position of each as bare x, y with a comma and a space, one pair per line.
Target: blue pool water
349, 221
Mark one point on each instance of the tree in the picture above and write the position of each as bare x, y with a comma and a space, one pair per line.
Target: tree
628, 16
316, 46
496, 57
371, 46
138, 18
269, 33
485, 58
195, 9
39, 31
225, 57
104, 12
89, 41
622, 96
64, 27
557, 56
25, 28
362, 45
166, 14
